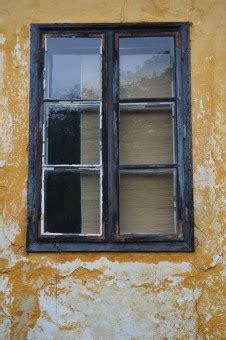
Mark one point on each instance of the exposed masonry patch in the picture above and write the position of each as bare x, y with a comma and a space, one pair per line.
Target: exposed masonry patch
1, 68
218, 258
2, 163
2, 39
4, 288
83, 306
24, 197
205, 176
6, 126
8, 233
132, 273
19, 54
5, 318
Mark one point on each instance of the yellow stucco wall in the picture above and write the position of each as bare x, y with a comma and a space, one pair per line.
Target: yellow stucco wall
113, 296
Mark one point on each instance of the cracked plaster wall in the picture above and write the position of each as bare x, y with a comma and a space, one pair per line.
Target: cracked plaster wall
113, 296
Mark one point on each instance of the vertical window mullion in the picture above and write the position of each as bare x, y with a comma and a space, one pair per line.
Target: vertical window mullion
104, 139
185, 136
113, 139
179, 133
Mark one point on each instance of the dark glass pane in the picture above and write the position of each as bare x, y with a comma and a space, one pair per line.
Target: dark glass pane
64, 137
146, 67
72, 202
73, 68
146, 203
62, 202
146, 134
72, 135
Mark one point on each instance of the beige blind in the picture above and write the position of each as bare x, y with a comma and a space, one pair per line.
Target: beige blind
146, 137
90, 183
146, 203
90, 203
90, 137
142, 83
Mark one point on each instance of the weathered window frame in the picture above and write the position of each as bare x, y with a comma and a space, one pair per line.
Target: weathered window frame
183, 240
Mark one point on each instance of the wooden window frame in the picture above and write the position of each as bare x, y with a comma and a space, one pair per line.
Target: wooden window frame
110, 240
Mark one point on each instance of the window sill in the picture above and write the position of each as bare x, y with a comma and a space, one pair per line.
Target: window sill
173, 246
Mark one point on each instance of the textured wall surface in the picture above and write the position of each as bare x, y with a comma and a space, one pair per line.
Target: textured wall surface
113, 296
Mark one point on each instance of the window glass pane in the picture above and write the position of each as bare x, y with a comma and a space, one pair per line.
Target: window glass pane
146, 203
72, 134
72, 202
73, 68
146, 134
146, 67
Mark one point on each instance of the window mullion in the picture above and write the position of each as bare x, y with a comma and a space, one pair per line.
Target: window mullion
113, 139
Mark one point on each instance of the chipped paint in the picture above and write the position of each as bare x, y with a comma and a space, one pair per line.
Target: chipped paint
120, 295
2, 39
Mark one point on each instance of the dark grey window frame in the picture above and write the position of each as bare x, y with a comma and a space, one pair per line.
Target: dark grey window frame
183, 240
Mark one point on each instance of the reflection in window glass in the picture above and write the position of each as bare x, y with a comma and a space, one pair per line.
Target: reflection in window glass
73, 68
146, 67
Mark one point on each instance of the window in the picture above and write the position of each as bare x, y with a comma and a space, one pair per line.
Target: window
110, 165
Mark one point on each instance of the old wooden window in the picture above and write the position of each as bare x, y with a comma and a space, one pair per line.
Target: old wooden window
110, 165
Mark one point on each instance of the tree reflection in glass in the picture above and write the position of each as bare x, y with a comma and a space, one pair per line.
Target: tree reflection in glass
146, 67
73, 67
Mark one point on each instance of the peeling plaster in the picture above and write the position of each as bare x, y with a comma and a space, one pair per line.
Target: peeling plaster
113, 296
2, 39
8, 234
205, 176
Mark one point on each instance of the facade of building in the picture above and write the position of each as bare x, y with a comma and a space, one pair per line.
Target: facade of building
120, 295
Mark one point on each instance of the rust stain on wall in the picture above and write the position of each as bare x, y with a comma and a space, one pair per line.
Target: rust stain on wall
113, 296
